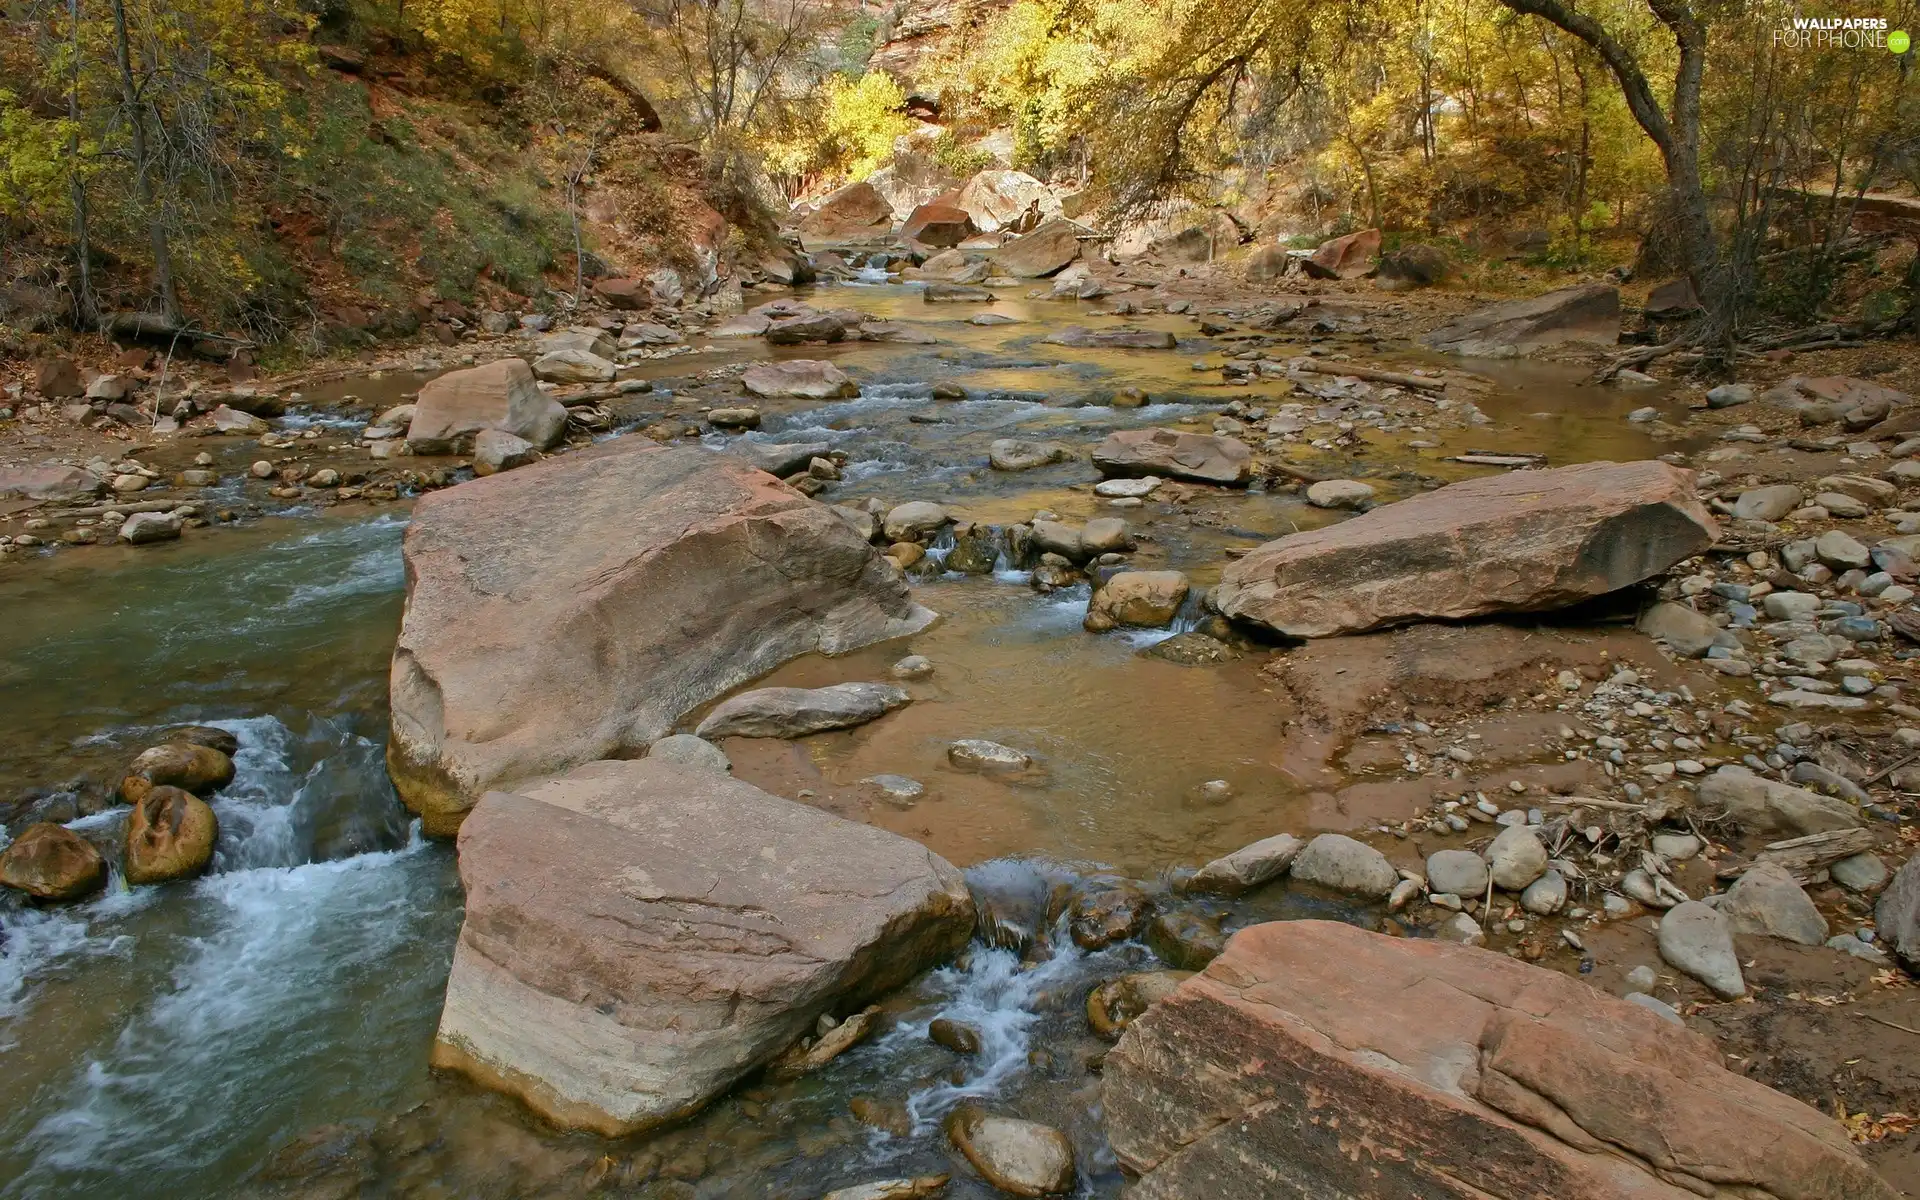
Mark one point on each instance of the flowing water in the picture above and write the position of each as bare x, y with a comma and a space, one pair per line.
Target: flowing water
265, 1028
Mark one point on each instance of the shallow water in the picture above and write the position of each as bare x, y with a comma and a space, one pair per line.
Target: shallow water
166, 1041
174, 1034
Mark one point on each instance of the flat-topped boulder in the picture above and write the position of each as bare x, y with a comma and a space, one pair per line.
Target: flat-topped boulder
501, 395
1045, 251
799, 378
1528, 541
49, 481
577, 608
641, 935
1586, 313
1315, 1059
1203, 457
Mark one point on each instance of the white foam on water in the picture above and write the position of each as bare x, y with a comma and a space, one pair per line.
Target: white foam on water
373, 568
303, 419
258, 810
39, 941
872, 468
279, 955
1059, 611
995, 996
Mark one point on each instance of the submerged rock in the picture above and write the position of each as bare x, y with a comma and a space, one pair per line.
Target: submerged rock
955, 1036
170, 835
1079, 337
976, 754
1523, 542
640, 935
567, 611
1184, 939
51, 862
1107, 911
797, 712
917, 1188
1486, 1077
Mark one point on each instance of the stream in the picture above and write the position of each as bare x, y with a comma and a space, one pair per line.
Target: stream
264, 1030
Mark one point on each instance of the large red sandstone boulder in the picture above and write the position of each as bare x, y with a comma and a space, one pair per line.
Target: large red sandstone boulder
49, 481
1346, 257
1587, 313
938, 225
1315, 1059
857, 210
500, 395
1203, 457
640, 935
1045, 251
1528, 541
577, 608
626, 293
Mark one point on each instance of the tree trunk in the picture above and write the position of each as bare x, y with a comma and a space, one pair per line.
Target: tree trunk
143, 168
86, 310
1675, 131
